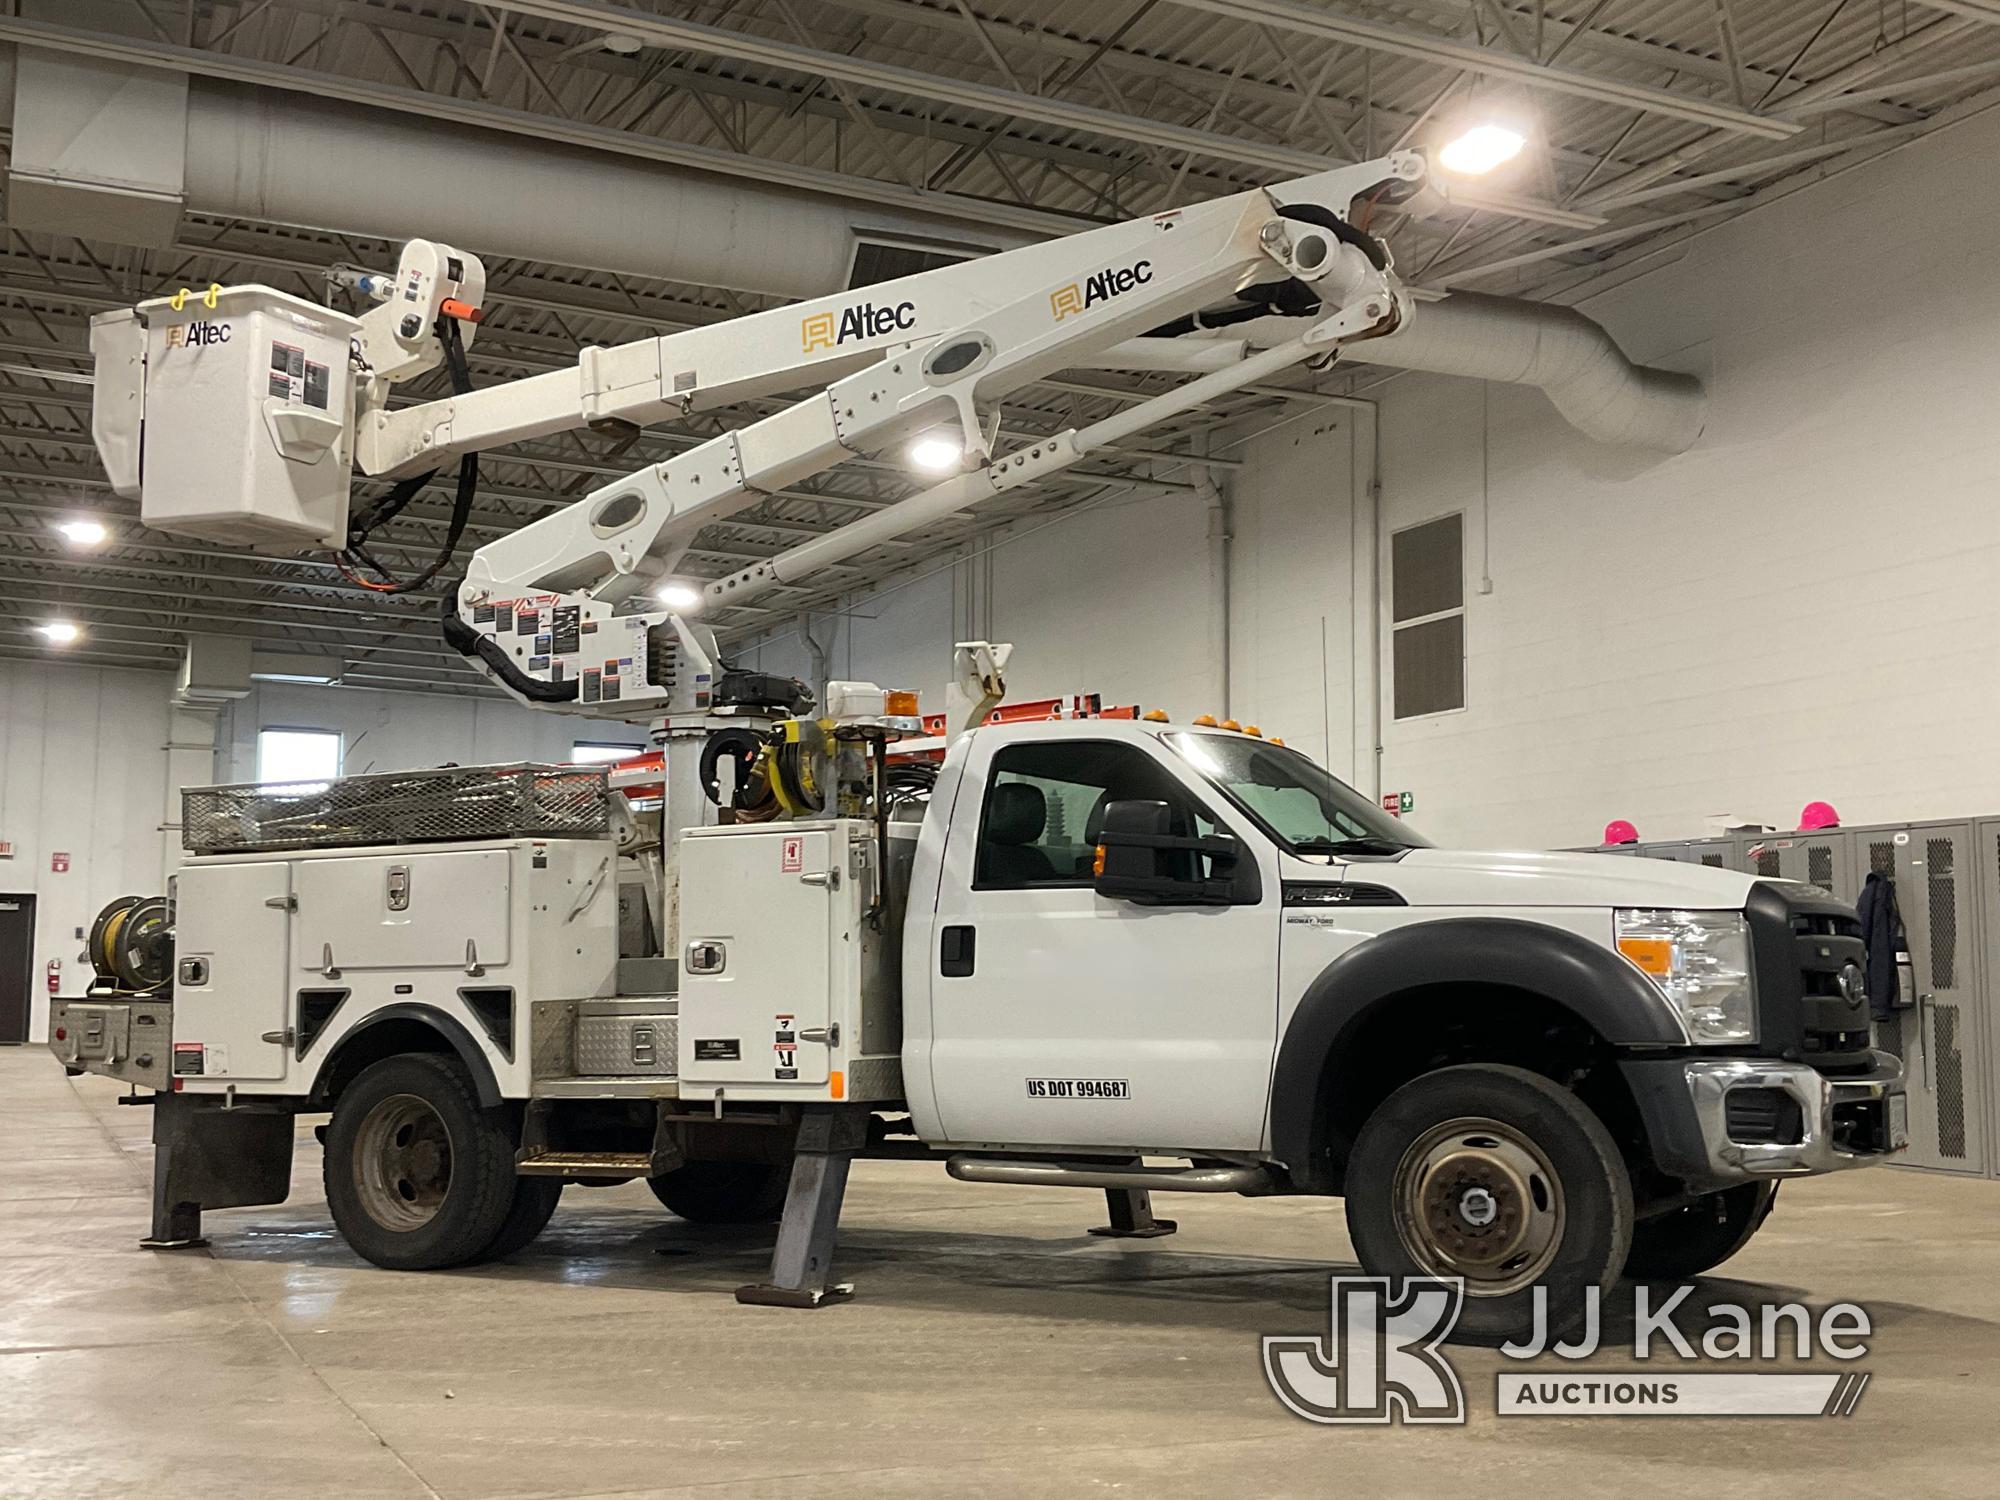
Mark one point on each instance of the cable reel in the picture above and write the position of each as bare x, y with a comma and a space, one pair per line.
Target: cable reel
748, 752
798, 745
131, 944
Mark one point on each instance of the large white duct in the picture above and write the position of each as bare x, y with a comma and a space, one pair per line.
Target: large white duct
286, 159
1588, 377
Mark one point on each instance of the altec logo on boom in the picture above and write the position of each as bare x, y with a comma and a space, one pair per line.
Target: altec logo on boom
1081, 296
197, 335
868, 320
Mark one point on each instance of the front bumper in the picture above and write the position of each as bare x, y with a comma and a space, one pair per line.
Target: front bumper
1850, 1119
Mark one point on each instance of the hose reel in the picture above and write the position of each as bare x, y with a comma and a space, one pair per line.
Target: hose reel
131, 944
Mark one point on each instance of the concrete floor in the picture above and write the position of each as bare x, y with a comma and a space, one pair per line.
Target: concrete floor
993, 1348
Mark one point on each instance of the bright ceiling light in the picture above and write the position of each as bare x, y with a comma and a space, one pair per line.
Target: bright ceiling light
59, 632
678, 595
935, 453
83, 532
1481, 148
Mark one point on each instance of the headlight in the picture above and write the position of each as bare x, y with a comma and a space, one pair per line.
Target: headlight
1701, 962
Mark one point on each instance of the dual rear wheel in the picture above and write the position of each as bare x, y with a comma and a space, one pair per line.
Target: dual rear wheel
420, 1175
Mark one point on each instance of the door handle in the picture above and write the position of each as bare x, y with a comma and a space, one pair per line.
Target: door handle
830, 1035
956, 948
830, 879
1924, 1024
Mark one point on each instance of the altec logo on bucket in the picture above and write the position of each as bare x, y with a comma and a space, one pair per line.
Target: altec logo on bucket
1081, 296
869, 320
197, 335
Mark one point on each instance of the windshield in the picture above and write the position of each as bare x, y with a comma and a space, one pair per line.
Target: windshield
1298, 803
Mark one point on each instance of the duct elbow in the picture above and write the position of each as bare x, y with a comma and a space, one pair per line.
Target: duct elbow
1572, 358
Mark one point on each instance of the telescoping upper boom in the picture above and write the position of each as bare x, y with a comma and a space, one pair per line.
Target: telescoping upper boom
239, 414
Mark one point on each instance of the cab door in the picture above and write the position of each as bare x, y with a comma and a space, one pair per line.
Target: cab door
1060, 1017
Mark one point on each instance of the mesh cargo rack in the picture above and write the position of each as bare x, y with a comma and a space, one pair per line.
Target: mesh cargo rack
399, 807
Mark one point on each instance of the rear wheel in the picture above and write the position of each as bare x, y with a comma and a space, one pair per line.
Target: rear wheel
1500, 1177
1701, 1235
723, 1192
535, 1200
418, 1175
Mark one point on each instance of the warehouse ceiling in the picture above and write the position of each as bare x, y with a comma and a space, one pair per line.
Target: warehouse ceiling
1651, 119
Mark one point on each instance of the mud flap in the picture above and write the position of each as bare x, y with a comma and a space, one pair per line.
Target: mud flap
205, 1156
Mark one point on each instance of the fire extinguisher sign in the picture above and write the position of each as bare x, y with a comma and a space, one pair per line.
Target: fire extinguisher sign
792, 854
59, 862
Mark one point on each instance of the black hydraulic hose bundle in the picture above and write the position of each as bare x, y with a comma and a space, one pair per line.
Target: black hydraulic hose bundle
386, 509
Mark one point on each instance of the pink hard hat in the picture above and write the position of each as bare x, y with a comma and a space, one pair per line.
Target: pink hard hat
1618, 831
1818, 815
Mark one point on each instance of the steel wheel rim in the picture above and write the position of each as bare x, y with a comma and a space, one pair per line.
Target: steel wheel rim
402, 1163
1475, 1198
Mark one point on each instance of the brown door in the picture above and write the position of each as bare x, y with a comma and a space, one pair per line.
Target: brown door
17, 962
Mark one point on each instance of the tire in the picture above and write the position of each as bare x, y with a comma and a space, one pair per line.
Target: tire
1497, 1175
723, 1192
1701, 1235
535, 1200
417, 1174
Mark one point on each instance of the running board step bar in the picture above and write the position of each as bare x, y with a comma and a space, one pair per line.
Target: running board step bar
620, 1164
1215, 1179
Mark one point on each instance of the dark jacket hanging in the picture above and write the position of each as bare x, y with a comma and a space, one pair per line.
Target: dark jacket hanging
1882, 931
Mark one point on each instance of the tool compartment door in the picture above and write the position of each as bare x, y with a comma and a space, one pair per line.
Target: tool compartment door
404, 911
767, 900
232, 935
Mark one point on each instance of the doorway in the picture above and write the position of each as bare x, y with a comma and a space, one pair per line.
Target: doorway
17, 966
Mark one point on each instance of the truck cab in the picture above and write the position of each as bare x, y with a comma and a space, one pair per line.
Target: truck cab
1131, 938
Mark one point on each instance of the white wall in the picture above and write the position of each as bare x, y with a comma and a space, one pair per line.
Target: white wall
1805, 606
1802, 607
1118, 598
82, 772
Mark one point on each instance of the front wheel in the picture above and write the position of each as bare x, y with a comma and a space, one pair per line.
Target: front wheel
1497, 1176
1701, 1235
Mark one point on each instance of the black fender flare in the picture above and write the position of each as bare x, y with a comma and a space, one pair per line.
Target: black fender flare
1595, 984
450, 1028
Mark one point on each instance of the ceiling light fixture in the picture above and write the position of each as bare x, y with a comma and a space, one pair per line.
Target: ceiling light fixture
935, 453
83, 532
1480, 148
59, 632
678, 595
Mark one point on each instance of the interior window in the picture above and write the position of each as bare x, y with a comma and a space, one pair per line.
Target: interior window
1045, 807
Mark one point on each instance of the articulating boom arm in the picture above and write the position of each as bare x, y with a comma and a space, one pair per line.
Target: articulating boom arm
537, 610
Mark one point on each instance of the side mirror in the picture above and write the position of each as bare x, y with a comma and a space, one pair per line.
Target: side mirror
1138, 860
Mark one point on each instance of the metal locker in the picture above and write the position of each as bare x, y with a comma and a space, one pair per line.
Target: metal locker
1943, 1037
1717, 854
1824, 859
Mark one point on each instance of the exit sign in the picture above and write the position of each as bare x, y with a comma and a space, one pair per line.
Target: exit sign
1398, 803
